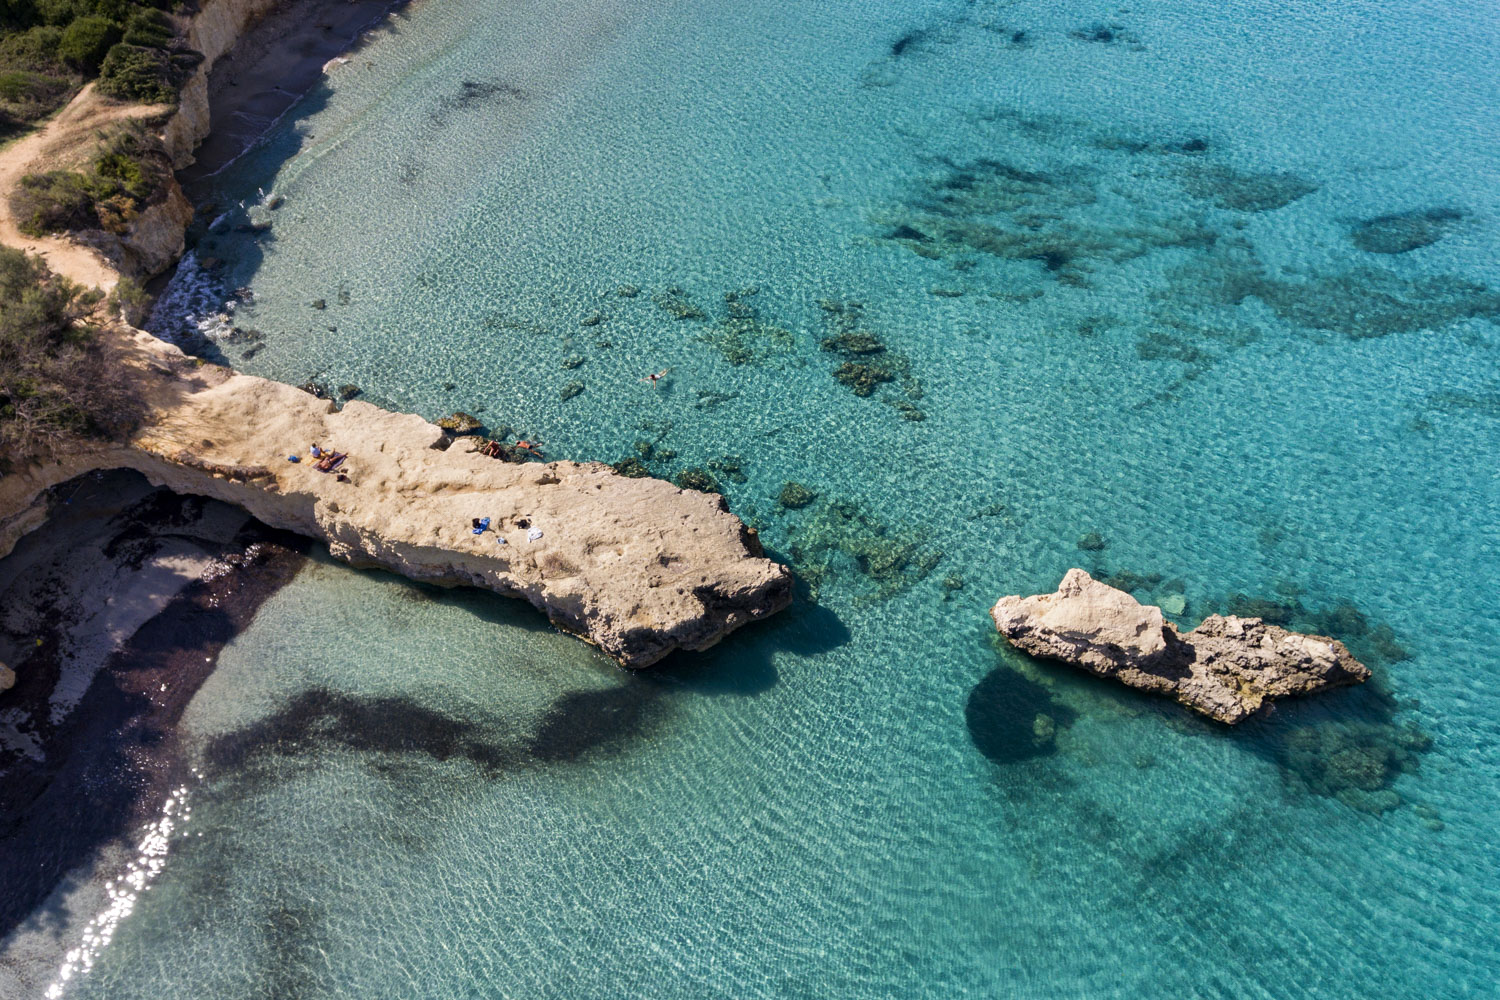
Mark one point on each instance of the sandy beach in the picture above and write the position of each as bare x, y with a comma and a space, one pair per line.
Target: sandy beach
280, 59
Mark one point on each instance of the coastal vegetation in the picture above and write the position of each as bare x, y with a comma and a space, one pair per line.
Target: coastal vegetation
51, 48
128, 172
55, 382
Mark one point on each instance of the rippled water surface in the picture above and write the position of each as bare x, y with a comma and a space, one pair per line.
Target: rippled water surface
1199, 296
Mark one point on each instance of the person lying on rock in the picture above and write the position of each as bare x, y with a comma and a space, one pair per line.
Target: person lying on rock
331, 460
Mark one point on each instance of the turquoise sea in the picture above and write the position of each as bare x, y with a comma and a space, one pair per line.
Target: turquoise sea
1200, 296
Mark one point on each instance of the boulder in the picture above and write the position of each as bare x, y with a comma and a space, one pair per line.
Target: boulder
7, 677
1227, 668
460, 422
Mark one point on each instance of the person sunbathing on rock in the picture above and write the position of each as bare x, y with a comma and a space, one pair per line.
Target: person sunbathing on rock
331, 460
530, 446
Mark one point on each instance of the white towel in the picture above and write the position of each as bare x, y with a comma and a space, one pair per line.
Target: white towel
533, 534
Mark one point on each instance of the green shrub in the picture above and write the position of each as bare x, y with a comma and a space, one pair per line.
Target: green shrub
85, 42
35, 48
131, 299
17, 15
62, 12
148, 29
134, 73
128, 173
55, 382
53, 202
23, 87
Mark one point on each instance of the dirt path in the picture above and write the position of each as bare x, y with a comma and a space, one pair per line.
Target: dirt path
63, 143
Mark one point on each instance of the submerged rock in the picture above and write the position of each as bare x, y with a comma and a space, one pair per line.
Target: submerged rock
631, 468
460, 422
1227, 668
1404, 231
676, 303
795, 496
697, 479
861, 379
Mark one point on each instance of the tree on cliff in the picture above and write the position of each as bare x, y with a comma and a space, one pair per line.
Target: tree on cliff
56, 385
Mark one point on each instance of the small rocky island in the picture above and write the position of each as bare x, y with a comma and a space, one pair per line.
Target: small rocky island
1227, 668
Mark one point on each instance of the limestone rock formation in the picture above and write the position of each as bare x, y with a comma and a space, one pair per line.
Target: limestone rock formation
638, 567
1227, 668
154, 239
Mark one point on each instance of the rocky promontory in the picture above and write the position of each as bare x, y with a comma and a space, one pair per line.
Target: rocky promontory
638, 567
1227, 668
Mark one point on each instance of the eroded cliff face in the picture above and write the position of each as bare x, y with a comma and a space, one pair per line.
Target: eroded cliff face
638, 567
154, 240
213, 30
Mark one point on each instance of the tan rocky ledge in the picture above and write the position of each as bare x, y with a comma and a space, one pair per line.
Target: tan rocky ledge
636, 566
1228, 668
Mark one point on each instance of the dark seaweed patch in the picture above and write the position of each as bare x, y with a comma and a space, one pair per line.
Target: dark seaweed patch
992, 207
907, 41
1105, 34
868, 363
1348, 745
476, 93
676, 302
295, 944
1404, 231
740, 334
1365, 302
1012, 718
1245, 190
840, 536
1485, 404
319, 719
1359, 303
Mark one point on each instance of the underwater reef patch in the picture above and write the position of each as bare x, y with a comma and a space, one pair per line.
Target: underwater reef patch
1360, 303
841, 537
1357, 753
867, 363
741, 336
477, 93
995, 208
1245, 190
1485, 404
1106, 34
676, 302
1404, 231
1355, 762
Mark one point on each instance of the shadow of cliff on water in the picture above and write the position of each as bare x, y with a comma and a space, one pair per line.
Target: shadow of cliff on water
744, 663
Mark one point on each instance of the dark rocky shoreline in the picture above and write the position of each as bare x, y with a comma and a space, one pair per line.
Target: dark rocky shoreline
103, 770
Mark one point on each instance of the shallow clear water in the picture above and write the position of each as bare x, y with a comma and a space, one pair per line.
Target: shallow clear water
1124, 269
